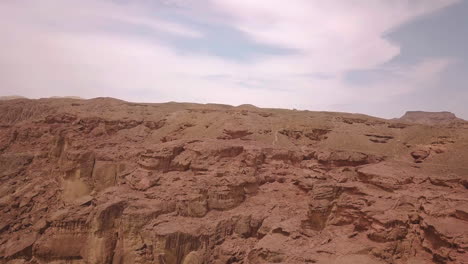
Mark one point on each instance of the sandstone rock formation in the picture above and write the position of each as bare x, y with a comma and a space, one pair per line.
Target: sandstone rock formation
430, 118
107, 181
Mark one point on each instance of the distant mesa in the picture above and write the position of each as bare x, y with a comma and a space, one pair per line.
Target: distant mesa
430, 118
11, 97
246, 106
66, 97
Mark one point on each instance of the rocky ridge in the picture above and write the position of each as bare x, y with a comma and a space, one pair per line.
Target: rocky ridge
108, 181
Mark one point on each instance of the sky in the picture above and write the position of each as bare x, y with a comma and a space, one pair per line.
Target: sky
376, 57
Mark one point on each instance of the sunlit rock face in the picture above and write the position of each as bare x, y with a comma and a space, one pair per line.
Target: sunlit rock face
107, 181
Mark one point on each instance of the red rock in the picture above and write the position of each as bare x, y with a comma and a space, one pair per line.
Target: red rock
107, 181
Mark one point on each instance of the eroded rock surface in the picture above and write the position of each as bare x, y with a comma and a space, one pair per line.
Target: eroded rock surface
107, 181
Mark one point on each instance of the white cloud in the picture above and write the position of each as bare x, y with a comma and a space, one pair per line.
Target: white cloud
332, 36
68, 47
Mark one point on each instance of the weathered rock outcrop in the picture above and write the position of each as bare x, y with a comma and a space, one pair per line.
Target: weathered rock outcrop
107, 181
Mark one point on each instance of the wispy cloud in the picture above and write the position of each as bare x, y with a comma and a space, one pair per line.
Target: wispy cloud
107, 48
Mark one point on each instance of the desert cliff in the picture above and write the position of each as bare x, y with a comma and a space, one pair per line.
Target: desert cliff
108, 181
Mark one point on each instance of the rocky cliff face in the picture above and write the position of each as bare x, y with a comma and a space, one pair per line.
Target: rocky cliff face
107, 181
430, 118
